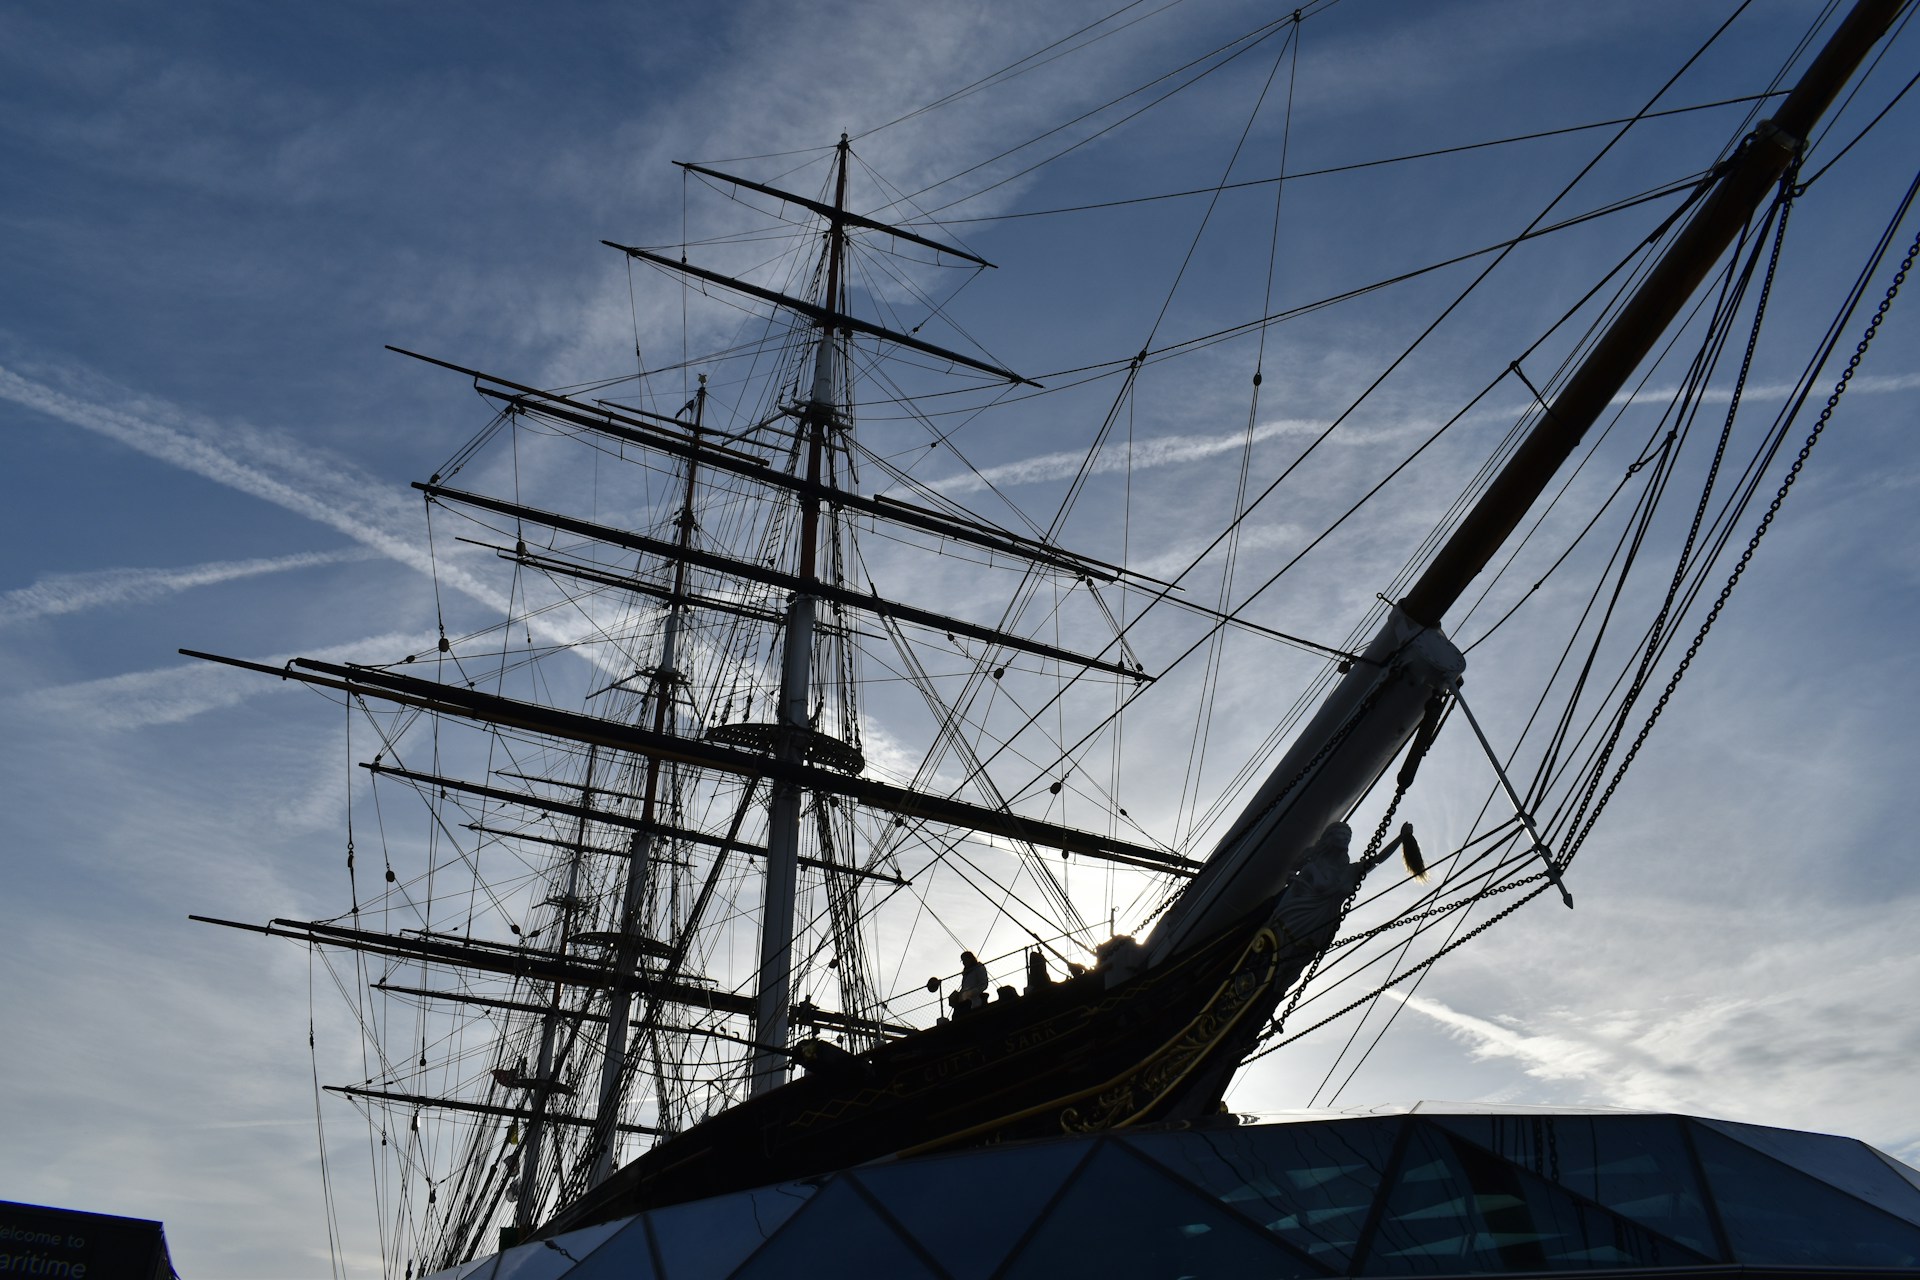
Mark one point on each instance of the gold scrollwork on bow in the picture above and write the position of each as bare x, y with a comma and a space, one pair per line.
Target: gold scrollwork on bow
1123, 1100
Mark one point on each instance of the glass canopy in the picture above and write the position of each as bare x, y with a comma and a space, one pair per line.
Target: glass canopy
1429, 1192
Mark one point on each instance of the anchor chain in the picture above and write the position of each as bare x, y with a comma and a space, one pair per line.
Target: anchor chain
1753, 543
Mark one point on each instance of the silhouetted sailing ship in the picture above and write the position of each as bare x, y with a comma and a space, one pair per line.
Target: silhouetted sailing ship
714, 782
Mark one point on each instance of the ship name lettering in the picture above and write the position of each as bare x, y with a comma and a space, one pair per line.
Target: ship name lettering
1028, 1039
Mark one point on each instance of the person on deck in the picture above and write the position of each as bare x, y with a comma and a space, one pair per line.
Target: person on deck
973, 982
1120, 958
1037, 976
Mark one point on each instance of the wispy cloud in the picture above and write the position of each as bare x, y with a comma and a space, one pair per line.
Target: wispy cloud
264, 464
1547, 1055
64, 593
273, 467
1172, 450
1795, 1034
1258, 538
168, 695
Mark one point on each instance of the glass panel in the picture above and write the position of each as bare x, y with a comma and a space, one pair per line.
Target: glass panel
626, 1255
1637, 1166
1847, 1163
1122, 1217
1431, 1222
549, 1259
1780, 1216
839, 1234
1455, 1206
969, 1210
709, 1238
526, 1262
1312, 1184
1907, 1171
478, 1269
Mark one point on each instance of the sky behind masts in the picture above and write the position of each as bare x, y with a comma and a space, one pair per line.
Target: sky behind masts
219, 213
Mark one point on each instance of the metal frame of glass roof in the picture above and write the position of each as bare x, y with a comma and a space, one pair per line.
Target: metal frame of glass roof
1427, 1192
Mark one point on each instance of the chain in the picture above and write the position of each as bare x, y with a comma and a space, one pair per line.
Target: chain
1424, 965
1726, 591
1379, 834
1693, 649
1313, 967
1538, 878
1746, 557
1431, 913
1658, 630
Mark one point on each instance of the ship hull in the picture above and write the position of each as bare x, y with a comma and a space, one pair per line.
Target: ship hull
1077, 1056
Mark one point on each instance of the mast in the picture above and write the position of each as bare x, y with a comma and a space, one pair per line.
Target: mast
774, 988
1373, 711
526, 1210
666, 679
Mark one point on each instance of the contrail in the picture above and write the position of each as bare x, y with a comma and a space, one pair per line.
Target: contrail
168, 695
1548, 1056
1158, 451
325, 489
268, 466
73, 592
1870, 384
1166, 451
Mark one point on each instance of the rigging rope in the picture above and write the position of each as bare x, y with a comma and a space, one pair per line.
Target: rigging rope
1283, 176
1539, 881
1766, 522
1365, 394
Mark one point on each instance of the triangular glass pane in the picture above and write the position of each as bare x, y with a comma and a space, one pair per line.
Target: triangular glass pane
478, 1269
969, 1210
551, 1259
1455, 1206
526, 1262
839, 1234
1847, 1163
624, 1255
1637, 1166
1776, 1215
1907, 1171
1120, 1216
1311, 1184
707, 1239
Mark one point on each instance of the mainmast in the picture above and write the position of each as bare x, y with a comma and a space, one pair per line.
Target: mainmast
773, 995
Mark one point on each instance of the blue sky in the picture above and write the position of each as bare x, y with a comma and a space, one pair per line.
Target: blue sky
217, 214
